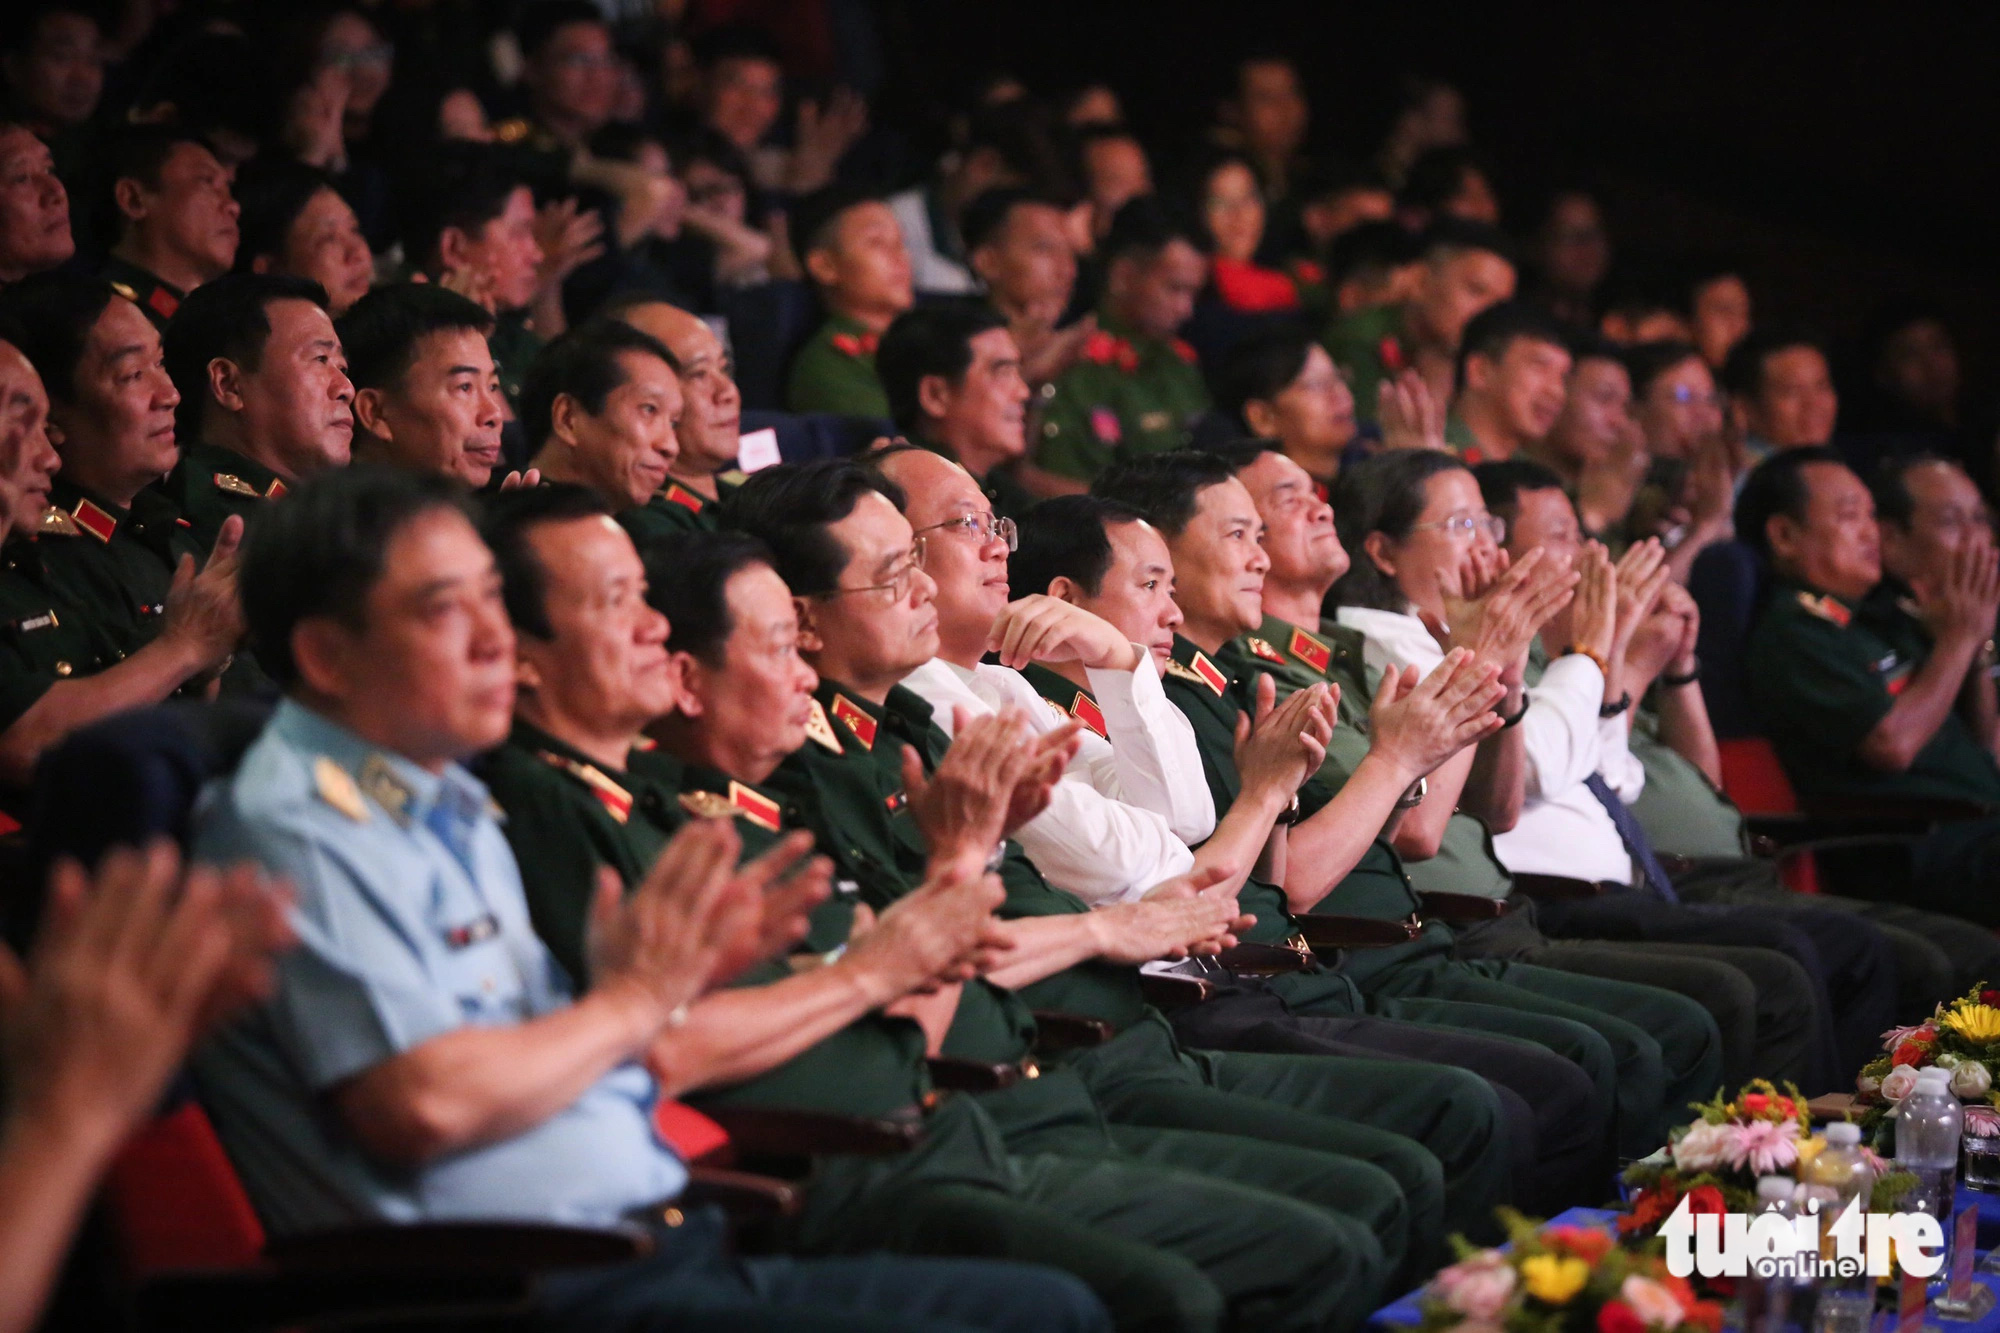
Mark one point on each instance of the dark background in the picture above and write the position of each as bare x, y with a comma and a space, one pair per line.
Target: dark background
1844, 154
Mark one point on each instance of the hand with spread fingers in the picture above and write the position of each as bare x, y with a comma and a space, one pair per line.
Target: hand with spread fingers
1411, 416
1417, 725
997, 775
1498, 618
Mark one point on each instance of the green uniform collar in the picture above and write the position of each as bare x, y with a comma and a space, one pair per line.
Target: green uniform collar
233, 473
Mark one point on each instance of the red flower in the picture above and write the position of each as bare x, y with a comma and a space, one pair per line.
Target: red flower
1391, 353
1789, 1107
1706, 1199
1707, 1315
1756, 1103
1586, 1243
1990, 997
1682, 1289
1618, 1317
1185, 351
1649, 1209
1909, 1053
1308, 271
1101, 347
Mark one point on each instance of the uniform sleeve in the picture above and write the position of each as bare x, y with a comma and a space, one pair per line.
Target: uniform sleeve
21, 688
1812, 680
1153, 761
355, 991
1560, 734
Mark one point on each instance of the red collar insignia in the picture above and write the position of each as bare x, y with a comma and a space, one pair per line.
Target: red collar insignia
1185, 351
855, 719
1211, 675
164, 302
1264, 650
682, 496
1826, 608
755, 806
856, 344
1104, 425
276, 490
1310, 650
95, 520
614, 797
1086, 711
1391, 353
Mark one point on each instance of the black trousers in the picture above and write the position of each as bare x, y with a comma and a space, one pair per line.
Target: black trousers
1561, 1152
692, 1281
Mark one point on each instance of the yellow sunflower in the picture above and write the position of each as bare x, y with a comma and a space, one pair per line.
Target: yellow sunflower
1554, 1278
1975, 1022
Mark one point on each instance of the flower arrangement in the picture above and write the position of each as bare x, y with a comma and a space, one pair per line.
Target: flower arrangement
1715, 1161
1962, 1036
1562, 1280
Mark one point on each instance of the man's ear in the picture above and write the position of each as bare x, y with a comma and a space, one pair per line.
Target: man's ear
320, 648
1119, 277
1479, 369
822, 267
526, 675
983, 263
1739, 416
934, 395
564, 414
686, 673
130, 196
1783, 533
225, 383
1381, 552
1064, 589
369, 414
454, 249
809, 639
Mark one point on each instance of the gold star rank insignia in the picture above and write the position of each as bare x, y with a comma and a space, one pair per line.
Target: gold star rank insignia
1310, 650
1201, 671
58, 522
231, 484
819, 729
855, 719
706, 804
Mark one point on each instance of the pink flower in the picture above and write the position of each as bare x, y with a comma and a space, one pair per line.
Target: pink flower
1982, 1121
1899, 1082
1769, 1145
1478, 1287
1652, 1302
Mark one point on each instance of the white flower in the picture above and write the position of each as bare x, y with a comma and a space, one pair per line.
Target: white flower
1900, 1082
1652, 1302
1706, 1147
1971, 1080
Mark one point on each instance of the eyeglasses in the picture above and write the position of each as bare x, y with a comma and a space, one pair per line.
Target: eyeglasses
382, 53
1685, 395
982, 528
899, 583
1465, 526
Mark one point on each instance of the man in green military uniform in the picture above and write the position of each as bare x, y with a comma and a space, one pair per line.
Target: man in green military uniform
1211, 523
850, 246
176, 219
953, 376
599, 410
708, 431
1466, 268
49, 643
265, 398
1860, 687
427, 390
1512, 380
831, 524
847, 1031
1136, 389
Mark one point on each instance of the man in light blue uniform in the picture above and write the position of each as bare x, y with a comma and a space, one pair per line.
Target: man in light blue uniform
421, 1058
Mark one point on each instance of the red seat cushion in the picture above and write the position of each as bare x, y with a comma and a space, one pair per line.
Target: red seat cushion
689, 1132
175, 1201
1754, 778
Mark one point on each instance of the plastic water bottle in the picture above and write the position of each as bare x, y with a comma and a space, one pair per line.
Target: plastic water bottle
1765, 1301
1839, 1175
1928, 1125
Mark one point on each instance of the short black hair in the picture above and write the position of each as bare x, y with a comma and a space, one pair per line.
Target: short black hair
54, 313
814, 217
1589, 345
1448, 236
1891, 488
582, 363
931, 339
319, 549
1646, 362
507, 520
1501, 483
1065, 537
1386, 494
458, 185
987, 214
541, 20
736, 41
1743, 371
137, 152
1259, 368
1165, 487
790, 507
1148, 224
1439, 174
687, 581
1372, 248
272, 192
1777, 486
230, 318
23, 24
380, 332
1495, 329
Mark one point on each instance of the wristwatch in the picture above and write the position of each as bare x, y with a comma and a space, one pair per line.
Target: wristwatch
1414, 797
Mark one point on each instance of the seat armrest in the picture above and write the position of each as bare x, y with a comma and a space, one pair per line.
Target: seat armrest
1352, 932
269, 1297
1069, 1032
1556, 888
776, 1131
458, 1246
972, 1075
1789, 830
742, 1194
1164, 991
1456, 907
1924, 810
1260, 960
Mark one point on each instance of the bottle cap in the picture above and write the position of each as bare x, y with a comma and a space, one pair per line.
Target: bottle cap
1775, 1189
1934, 1077
1843, 1133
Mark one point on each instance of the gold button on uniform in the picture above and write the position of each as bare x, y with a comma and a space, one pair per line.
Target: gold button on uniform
64, 668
